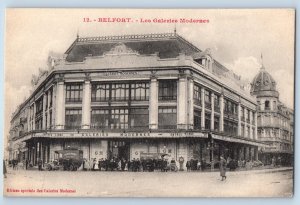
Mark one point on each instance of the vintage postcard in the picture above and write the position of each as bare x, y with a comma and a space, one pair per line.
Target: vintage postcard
149, 102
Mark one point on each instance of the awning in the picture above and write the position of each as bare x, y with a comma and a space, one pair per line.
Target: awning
238, 140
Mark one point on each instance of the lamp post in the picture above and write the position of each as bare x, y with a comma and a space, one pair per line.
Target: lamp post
211, 147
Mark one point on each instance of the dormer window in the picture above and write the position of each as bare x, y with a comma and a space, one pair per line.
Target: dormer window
267, 105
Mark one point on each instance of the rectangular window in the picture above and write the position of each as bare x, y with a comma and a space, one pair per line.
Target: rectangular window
100, 92
39, 123
230, 127
39, 114
197, 95
207, 99
217, 103
217, 123
167, 90
167, 118
242, 130
74, 92
207, 121
197, 119
242, 114
120, 91
50, 96
39, 106
140, 91
50, 118
73, 119
119, 119
139, 118
100, 118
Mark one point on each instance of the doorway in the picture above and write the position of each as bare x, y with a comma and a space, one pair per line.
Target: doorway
118, 150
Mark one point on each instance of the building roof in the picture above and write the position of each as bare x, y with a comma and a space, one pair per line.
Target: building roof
167, 45
263, 84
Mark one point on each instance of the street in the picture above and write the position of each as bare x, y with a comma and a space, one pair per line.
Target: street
256, 183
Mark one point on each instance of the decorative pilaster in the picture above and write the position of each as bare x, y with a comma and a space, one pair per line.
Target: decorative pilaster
212, 116
191, 104
239, 119
48, 107
34, 111
44, 111
86, 105
255, 124
203, 108
251, 119
245, 123
222, 113
60, 106
153, 104
182, 103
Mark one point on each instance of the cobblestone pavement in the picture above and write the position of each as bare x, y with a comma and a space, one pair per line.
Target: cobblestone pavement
271, 183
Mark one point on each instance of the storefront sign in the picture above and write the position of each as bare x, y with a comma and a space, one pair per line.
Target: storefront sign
120, 135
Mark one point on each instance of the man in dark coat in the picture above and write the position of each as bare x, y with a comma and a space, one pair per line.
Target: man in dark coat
40, 163
222, 168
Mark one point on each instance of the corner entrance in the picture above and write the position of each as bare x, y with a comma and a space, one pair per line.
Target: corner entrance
118, 150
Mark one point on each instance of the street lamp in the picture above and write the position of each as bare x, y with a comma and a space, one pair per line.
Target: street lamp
211, 147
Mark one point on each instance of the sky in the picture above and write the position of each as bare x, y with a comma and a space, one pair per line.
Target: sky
237, 38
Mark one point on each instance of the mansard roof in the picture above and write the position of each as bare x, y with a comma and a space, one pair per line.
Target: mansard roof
167, 45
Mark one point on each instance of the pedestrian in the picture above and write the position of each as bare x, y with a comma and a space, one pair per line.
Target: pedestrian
40, 163
188, 166
222, 168
4, 169
26, 164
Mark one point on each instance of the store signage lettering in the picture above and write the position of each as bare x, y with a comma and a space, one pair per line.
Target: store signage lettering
182, 134
120, 73
125, 134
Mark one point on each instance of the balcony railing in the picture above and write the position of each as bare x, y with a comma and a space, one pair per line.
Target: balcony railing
73, 100
167, 126
167, 97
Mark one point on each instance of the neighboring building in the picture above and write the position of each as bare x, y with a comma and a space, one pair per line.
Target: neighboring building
120, 96
275, 121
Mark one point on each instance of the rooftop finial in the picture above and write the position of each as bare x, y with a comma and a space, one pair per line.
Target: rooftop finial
262, 62
77, 33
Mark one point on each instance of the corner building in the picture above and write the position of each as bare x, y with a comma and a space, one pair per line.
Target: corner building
275, 121
120, 96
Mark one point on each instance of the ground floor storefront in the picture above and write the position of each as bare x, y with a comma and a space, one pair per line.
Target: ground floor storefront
181, 148
276, 158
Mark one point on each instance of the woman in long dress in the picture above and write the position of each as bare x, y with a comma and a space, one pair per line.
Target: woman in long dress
223, 168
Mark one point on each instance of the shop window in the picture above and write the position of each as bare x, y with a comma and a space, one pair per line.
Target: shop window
73, 119
73, 93
167, 118
139, 117
167, 90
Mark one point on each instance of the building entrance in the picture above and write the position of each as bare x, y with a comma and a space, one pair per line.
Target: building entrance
118, 150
